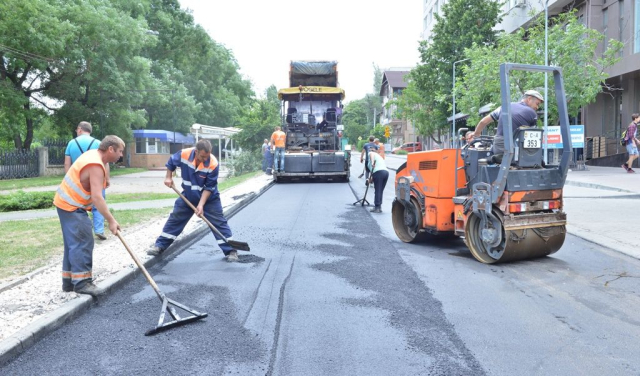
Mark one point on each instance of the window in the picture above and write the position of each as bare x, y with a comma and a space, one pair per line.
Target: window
141, 145
621, 25
636, 27
151, 146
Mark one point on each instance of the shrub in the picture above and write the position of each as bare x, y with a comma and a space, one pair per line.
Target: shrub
402, 152
361, 143
246, 161
22, 200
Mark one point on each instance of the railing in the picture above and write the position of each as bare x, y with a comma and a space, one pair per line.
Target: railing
56, 149
18, 164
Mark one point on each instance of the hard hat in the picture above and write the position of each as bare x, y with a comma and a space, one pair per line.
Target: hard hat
533, 93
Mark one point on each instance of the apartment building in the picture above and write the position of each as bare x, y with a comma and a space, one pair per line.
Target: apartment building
429, 9
401, 129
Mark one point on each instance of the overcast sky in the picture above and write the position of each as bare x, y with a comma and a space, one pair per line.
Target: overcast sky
265, 35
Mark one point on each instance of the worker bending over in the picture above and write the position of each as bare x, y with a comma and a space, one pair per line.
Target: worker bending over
199, 171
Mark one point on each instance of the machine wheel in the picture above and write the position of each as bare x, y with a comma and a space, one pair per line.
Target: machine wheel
407, 223
515, 245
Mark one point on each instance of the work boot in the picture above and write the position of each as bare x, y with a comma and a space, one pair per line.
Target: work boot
377, 209
67, 287
101, 236
232, 256
89, 288
154, 250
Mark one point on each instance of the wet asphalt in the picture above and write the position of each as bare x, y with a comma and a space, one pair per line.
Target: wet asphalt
329, 290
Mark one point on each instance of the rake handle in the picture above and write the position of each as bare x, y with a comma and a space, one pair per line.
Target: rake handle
212, 227
141, 266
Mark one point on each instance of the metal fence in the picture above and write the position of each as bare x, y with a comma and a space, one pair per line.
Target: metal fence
56, 149
17, 164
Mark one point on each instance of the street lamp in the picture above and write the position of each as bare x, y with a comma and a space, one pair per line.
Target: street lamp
546, 63
453, 111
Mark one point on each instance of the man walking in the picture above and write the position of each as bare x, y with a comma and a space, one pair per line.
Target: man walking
632, 143
199, 170
76, 147
278, 139
81, 187
523, 113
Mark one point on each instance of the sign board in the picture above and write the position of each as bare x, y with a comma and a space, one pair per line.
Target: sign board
554, 138
340, 127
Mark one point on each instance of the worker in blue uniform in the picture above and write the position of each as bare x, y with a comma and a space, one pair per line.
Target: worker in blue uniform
199, 171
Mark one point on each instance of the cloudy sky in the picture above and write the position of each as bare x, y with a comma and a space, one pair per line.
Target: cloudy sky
266, 35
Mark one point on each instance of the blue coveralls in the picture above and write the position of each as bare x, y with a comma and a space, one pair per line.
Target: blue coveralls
194, 181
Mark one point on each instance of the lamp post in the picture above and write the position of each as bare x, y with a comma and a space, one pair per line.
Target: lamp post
546, 76
453, 111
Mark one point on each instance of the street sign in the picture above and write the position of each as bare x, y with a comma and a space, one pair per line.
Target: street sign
386, 131
554, 138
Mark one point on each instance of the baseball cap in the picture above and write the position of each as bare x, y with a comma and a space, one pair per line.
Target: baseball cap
535, 94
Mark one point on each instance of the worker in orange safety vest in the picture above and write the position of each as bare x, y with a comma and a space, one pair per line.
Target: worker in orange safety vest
81, 189
278, 140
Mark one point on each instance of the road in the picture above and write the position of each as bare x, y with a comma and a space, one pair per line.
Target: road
328, 289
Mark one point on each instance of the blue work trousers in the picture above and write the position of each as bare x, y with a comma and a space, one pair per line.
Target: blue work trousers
77, 260
181, 215
98, 219
379, 182
278, 158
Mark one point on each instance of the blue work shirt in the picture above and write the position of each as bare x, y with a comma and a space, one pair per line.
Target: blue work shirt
521, 114
85, 141
195, 180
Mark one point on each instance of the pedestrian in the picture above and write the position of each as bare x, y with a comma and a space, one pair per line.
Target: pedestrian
379, 176
364, 156
199, 171
265, 151
76, 147
380, 148
523, 113
81, 191
632, 142
278, 139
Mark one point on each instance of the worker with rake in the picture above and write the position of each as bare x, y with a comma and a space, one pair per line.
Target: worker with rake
199, 172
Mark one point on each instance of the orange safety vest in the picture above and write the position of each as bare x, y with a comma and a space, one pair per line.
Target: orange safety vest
278, 138
71, 195
381, 150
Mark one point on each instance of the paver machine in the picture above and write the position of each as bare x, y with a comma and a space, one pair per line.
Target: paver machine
507, 208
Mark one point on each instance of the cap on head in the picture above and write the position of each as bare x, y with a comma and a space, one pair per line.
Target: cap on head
535, 94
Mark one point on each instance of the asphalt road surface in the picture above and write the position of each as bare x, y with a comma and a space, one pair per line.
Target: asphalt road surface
328, 289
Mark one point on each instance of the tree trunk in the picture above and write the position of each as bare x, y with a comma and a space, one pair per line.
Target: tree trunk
29, 138
17, 141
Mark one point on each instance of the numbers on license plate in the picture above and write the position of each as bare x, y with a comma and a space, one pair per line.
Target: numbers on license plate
532, 140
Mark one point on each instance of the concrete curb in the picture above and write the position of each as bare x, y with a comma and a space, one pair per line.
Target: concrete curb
596, 186
20, 341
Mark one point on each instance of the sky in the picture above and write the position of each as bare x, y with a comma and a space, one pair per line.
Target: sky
265, 35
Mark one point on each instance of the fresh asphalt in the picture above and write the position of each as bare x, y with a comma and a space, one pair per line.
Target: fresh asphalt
328, 289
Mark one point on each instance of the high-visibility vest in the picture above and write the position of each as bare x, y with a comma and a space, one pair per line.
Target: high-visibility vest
70, 195
381, 150
278, 138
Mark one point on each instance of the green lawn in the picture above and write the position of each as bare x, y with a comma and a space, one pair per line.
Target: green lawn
28, 245
43, 181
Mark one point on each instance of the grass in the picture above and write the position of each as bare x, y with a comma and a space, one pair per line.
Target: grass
43, 181
29, 245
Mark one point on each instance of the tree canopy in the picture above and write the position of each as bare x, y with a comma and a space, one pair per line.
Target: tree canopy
118, 64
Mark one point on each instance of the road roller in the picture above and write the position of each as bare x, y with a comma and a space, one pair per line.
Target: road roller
506, 207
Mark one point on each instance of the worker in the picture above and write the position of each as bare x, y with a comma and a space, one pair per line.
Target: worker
523, 113
364, 156
199, 171
379, 177
76, 147
278, 139
80, 191
380, 148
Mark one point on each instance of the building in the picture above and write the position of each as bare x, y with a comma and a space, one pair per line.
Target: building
612, 109
393, 82
152, 148
429, 9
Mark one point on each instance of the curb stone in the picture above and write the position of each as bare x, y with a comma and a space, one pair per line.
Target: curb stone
20, 341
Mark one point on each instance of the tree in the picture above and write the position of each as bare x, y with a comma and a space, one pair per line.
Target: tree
260, 120
572, 47
464, 23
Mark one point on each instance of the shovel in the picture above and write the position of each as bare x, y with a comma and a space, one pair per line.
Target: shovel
167, 304
240, 246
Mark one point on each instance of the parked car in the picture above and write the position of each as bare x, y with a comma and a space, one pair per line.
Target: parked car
409, 147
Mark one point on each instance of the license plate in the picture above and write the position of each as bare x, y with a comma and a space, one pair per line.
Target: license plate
532, 140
